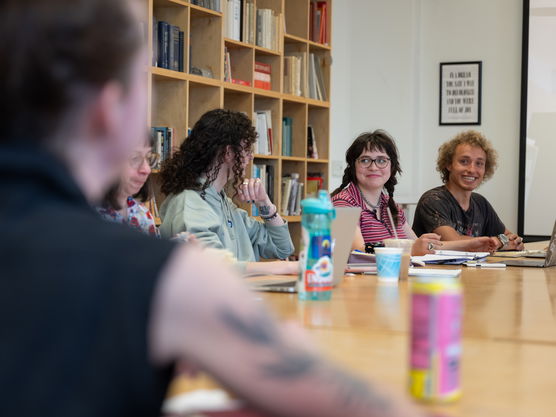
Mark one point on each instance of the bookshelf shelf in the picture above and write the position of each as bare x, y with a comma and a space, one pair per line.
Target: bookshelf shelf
231, 87
260, 92
292, 38
319, 104
293, 219
231, 43
199, 10
170, 3
206, 81
257, 156
318, 46
166, 74
178, 99
293, 158
265, 51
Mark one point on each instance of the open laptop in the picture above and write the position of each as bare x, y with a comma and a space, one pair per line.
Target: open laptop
549, 260
343, 230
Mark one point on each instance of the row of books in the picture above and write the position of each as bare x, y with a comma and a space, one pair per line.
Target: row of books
263, 125
240, 20
295, 67
228, 70
297, 82
314, 183
266, 173
262, 75
312, 151
318, 25
292, 194
168, 46
268, 29
208, 4
316, 78
164, 142
292, 188
287, 137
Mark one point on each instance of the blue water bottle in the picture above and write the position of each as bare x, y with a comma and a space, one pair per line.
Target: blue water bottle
315, 259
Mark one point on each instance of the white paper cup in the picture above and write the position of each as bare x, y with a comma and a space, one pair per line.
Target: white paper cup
388, 261
406, 245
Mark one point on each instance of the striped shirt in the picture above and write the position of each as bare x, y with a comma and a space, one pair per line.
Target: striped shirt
372, 228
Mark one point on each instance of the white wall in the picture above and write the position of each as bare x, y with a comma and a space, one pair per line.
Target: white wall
376, 87
394, 49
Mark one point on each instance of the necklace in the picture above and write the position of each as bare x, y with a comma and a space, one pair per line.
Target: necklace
372, 206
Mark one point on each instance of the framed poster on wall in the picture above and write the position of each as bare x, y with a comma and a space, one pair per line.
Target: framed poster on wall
460, 93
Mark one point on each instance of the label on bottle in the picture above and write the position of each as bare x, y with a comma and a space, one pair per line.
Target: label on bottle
318, 269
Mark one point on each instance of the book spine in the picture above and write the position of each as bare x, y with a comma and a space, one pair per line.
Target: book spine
155, 43
174, 54
263, 67
259, 28
181, 46
164, 35
236, 20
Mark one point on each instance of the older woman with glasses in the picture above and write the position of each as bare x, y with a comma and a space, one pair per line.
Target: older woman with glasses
123, 202
368, 182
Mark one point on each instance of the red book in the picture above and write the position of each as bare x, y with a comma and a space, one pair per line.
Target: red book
262, 80
323, 29
262, 67
262, 84
240, 82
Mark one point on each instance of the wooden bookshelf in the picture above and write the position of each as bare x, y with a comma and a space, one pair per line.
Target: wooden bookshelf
178, 99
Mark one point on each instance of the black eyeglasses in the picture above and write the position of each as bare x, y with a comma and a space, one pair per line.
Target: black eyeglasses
380, 162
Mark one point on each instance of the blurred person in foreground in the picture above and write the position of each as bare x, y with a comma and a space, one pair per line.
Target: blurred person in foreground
89, 328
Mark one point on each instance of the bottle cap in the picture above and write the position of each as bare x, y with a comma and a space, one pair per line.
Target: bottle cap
319, 205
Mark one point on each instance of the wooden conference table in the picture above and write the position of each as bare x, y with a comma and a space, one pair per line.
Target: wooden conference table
509, 337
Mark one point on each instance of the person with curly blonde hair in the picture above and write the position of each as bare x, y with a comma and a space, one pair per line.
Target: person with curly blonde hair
454, 210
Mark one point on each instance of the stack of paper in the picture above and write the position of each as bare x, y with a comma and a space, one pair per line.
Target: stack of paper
450, 257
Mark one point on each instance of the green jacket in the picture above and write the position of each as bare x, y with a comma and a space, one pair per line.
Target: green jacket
217, 222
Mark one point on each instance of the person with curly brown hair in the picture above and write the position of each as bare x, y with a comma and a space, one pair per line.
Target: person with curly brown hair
212, 159
454, 210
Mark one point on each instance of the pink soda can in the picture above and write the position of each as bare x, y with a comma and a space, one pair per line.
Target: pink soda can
435, 347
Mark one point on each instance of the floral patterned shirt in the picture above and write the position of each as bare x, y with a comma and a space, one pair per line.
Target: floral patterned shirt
138, 217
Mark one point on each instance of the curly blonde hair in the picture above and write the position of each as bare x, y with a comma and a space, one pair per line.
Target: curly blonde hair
447, 151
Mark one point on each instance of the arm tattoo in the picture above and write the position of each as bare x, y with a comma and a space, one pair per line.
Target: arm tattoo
354, 392
289, 363
265, 210
293, 364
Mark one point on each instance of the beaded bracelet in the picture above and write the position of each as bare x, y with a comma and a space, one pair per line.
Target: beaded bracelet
270, 217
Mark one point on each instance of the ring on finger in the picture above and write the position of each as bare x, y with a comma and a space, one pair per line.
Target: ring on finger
430, 246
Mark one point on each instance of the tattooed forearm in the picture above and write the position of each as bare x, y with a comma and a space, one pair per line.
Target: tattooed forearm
260, 330
289, 363
355, 393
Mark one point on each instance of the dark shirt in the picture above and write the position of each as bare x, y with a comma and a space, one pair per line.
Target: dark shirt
75, 295
438, 207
